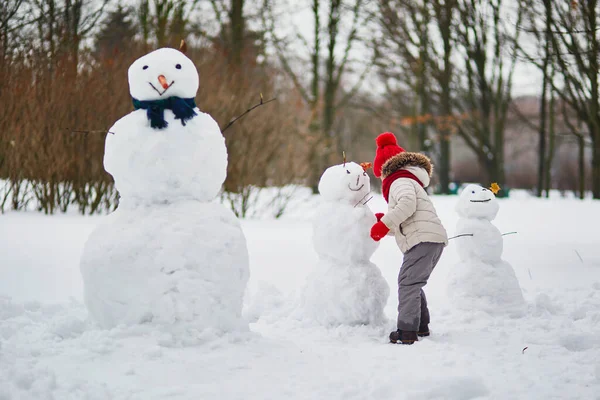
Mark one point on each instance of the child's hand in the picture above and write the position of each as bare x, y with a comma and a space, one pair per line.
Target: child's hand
378, 231
379, 216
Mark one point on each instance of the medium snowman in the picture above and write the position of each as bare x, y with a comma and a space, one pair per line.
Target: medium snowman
482, 281
345, 288
167, 255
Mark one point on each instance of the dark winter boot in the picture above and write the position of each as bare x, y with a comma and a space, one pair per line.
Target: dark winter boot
423, 330
404, 337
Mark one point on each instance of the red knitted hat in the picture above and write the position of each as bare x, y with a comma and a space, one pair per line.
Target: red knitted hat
387, 147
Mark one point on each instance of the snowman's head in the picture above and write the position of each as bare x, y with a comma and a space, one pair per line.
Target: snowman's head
477, 202
347, 183
161, 74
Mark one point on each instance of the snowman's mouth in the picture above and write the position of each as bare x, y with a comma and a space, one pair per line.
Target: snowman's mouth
480, 201
158, 91
356, 190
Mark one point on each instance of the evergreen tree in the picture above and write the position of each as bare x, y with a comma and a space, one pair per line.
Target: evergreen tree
117, 33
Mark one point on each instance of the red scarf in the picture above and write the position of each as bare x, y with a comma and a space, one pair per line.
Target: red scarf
388, 180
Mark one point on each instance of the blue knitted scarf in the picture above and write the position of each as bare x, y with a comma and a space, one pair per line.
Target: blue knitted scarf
155, 110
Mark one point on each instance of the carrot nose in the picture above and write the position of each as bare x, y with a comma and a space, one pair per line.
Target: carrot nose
163, 81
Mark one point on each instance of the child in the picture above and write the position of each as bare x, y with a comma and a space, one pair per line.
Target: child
419, 233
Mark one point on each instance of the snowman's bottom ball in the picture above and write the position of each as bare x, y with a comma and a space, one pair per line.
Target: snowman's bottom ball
349, 294
489, 287
175, 263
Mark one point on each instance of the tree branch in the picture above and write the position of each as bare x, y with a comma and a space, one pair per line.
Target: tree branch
232, 121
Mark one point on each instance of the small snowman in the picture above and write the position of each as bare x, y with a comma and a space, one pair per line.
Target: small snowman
346, 288
167, 255
482, 280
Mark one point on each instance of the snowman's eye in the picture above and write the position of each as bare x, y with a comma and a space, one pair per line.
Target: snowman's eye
347, 171
145, 67
178, 66
473, 192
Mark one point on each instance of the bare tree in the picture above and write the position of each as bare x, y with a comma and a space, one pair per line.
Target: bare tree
12, 19
539, 24
117, 33
443, 73
164, 21
571, 33
416, 50
242, 45
405, 47
330, 55
575, 39
487, 42
61, 27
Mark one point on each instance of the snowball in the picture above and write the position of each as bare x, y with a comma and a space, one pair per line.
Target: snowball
165, 165
345, 183
345, 287
179, 73
477, 202
184, 262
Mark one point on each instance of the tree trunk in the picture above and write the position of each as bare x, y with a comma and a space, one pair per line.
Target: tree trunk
315, 57
499, 156
144, 22
326, 145
236, 18
542, 132
495, 174
163, 9
594, 105
331, 81
446, 25
595, 163
422, 90
581, 158
551, 142
444, 170
543, 105
315, 122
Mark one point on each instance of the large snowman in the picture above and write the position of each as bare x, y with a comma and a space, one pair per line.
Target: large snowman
482, 281
345, 288
167, 255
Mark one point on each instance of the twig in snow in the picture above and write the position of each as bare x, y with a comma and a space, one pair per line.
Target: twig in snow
247, 111
509, 233
579, 255
523, 351
457, 236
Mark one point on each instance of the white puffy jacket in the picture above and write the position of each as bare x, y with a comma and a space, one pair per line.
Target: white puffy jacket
411, 216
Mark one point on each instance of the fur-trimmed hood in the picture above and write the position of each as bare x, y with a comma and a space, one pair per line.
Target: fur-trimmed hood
404, 160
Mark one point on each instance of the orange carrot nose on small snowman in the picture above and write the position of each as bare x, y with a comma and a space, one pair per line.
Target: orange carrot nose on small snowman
163, 81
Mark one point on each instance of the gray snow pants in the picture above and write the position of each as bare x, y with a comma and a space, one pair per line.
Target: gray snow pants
417, 266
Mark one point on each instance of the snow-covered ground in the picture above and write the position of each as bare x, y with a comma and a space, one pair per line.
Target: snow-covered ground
50, 350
